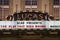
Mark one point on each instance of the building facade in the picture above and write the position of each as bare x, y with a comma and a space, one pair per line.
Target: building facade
9, 7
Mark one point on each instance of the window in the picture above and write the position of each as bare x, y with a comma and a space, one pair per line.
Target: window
0, 2
31, 5
30, 2
27, 2
34, 2
6, 11
3, 13
4, 2
56, 2
56, 12
0, 13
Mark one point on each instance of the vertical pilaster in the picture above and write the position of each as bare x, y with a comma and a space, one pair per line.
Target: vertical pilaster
59, 9
11, 6
22, 5
39, 5
50, 7
45, 6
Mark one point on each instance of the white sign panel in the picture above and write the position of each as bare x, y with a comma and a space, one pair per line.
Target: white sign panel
29, 24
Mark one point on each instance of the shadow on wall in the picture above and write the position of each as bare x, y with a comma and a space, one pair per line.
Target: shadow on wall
0, 19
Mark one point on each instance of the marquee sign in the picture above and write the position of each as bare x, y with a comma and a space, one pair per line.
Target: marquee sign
22, 25
29, 25
30, 16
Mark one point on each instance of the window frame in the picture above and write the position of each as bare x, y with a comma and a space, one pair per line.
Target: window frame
4, 2
56, 2
31, 2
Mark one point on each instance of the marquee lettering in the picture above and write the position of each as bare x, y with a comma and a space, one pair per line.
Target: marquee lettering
29, 16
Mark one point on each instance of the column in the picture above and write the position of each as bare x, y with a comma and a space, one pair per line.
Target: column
59, 9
